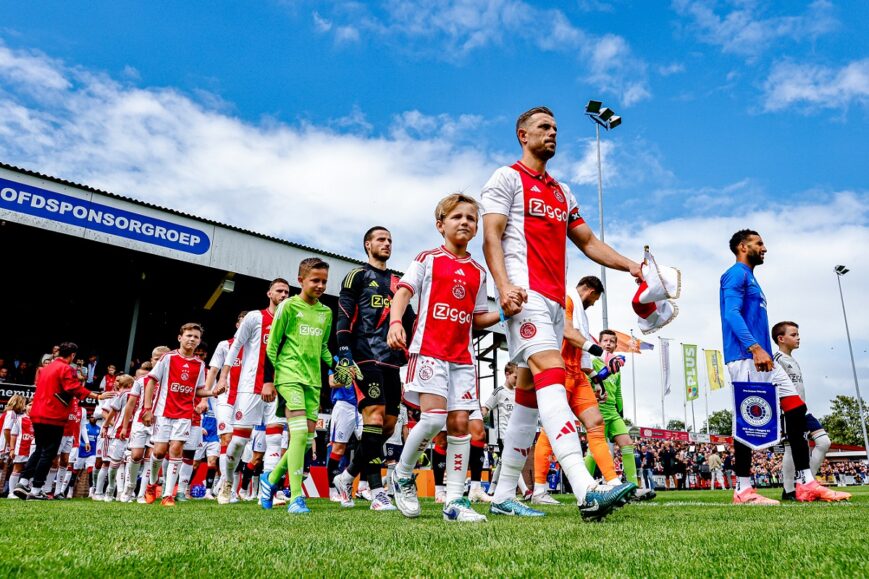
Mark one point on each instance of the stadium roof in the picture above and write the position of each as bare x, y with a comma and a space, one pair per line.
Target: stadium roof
176, 212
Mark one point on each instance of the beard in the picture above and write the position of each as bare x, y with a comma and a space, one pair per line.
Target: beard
755, 258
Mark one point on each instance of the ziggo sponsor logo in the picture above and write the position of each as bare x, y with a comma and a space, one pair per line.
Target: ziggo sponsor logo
446, 312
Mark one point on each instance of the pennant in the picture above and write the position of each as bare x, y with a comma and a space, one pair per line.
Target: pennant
756, 415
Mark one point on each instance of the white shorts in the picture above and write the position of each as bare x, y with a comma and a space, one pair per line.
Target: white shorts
537, 328
285, 439
250, 411
140, 436
117, 447
66, 445
455, 382
195, 439
101, 447
166, 429
207, 450
258, 441
73, 455
744, 371
223, 414
346, 421
476, 415
85, 462
20, 459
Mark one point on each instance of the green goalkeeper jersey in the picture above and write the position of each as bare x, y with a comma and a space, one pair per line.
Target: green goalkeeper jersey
299, 340
612, 408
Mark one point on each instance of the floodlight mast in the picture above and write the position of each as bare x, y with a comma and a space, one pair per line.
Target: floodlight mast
607, 118
840, 271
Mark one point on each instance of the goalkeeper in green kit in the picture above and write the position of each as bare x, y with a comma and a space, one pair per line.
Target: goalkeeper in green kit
607, 372
298, 346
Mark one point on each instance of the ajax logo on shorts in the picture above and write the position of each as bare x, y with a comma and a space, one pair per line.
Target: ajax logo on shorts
756, 411
426, 372
527, 330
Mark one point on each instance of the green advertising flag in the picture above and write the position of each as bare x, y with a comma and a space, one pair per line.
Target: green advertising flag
689, 358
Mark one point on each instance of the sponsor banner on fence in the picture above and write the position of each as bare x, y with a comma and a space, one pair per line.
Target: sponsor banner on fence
661, 434
755, 414
689, 359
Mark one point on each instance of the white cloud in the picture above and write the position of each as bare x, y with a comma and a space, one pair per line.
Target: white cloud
805, 242
321, 24
745, 31
671, 69
453, 29
817, 87
318, 186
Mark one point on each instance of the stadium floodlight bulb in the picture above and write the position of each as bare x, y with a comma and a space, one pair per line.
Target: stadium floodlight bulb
593, 107
615, 121
606, 113
841, 270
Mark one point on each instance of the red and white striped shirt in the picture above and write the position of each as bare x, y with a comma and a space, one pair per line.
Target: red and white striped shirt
23, 431
539, 211
450, 291
253, 337
218, 360
178, 377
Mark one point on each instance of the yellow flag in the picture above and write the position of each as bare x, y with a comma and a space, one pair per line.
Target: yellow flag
715, 369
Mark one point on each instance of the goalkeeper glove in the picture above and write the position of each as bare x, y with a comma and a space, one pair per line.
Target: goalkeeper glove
615, 364
346, 369
601, 375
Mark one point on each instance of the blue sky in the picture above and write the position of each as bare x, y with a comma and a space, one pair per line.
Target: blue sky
735, 114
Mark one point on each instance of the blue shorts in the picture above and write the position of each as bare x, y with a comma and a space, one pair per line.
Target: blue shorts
393, 451
812, 423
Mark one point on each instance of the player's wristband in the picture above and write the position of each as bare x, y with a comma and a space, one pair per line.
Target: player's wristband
592, 348
393, 322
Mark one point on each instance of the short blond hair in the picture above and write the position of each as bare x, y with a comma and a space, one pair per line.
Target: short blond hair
124, 380
450, 202
160, 350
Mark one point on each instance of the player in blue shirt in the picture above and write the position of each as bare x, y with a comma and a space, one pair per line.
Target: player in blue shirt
747, 353
209, 450
346, 422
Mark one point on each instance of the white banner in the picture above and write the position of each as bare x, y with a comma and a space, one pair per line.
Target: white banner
665, 364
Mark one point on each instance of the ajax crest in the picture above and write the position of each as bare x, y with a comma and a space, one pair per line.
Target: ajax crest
527, 330
458, 291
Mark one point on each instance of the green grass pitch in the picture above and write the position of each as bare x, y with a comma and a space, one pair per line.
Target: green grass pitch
680, 534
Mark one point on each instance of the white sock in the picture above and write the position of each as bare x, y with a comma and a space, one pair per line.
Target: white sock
390, 468
742, 483
429, 424
184, 476
236, 476
166, 460
475, 484
804, 477
14, 479
458, 448
233, 453
58, 480
521, 429
788, 471
541, 488
819, 453
101, 479
132, 475
156, 463
523, 486
362, 486
560, 425
67, 476
146, 478
273, 452
112, 478
48, 485
171, 476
